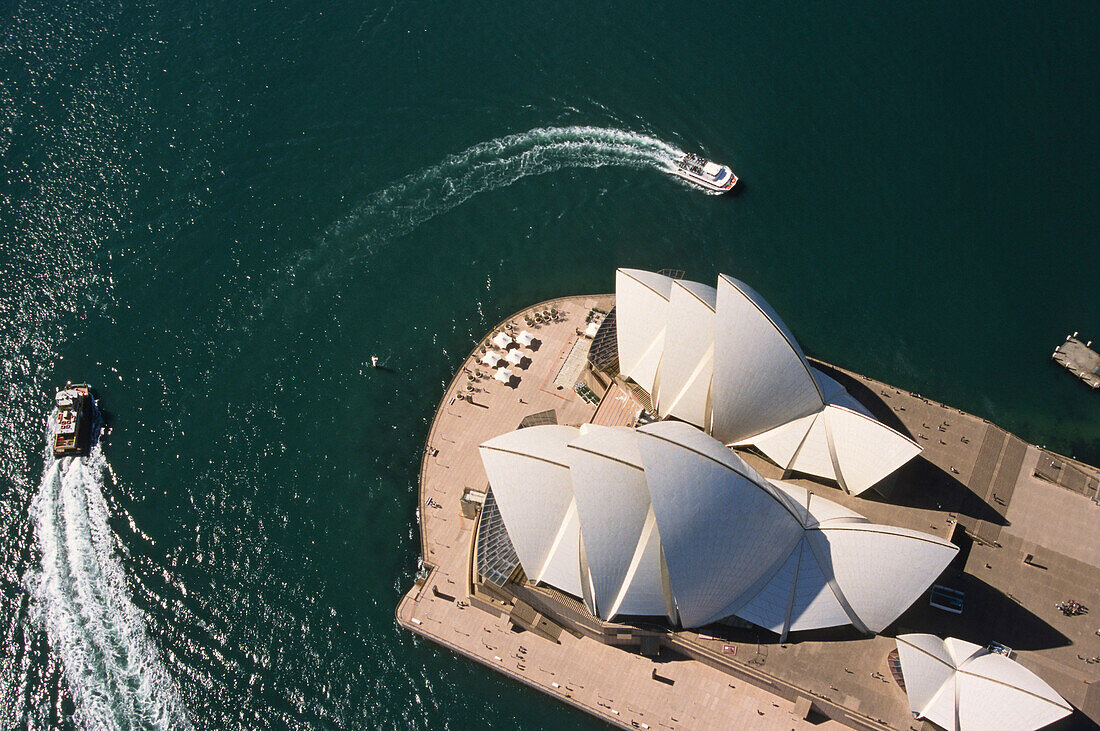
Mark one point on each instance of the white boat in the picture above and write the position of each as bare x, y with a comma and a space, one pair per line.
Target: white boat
705, 174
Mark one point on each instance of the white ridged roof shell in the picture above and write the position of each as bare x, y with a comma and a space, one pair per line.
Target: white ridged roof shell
782, 443
842, 566
838, 443
814, 456
688, 360
529, 472
641, 304
665, 520
865, 558
721, 529
864, 450
813, 510
761, 377
961, 686
723, 360
614, 510
798, 596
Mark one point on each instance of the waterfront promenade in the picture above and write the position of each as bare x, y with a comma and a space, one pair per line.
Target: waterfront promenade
1027, 543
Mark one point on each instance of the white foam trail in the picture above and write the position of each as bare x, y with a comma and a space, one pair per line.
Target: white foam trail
79, 594
402, 206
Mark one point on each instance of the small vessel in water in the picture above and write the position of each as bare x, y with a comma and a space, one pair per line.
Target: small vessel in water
705, 174
75, 413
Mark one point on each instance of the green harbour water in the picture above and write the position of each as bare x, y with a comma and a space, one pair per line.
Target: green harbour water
216, 213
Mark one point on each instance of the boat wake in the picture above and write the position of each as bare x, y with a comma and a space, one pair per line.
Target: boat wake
79, 595
406, 204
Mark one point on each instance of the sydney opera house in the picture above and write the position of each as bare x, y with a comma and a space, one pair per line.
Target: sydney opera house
671, 470
667, 520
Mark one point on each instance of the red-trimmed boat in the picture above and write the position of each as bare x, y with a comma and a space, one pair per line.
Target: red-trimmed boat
75, 413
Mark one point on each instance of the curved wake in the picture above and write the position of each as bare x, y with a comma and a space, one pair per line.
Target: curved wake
79, 594
418, 197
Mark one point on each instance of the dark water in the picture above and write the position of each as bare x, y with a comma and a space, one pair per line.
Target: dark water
217, 212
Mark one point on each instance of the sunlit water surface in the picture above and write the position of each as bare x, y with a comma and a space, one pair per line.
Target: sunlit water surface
216, 214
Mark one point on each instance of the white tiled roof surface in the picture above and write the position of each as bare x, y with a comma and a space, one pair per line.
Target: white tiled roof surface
674, 523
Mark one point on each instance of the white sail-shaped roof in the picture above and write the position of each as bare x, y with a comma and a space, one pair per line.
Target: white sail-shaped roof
688, 361
761, 377
623, 549
723, 360
927, 668
529, 472
865, 450
814, 455
782, 444
796, 597
665, 520
641, 304
646, 589
838, 443
864, 557
961, 686
813, 510
721, 524
836, 576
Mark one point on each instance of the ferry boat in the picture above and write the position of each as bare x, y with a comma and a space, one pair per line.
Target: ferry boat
705, 174
73, 436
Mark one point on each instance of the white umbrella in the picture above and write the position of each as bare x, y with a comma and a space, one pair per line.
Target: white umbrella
504, 375
592, 329
491, 358
514, 357
502, 340
525, 338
